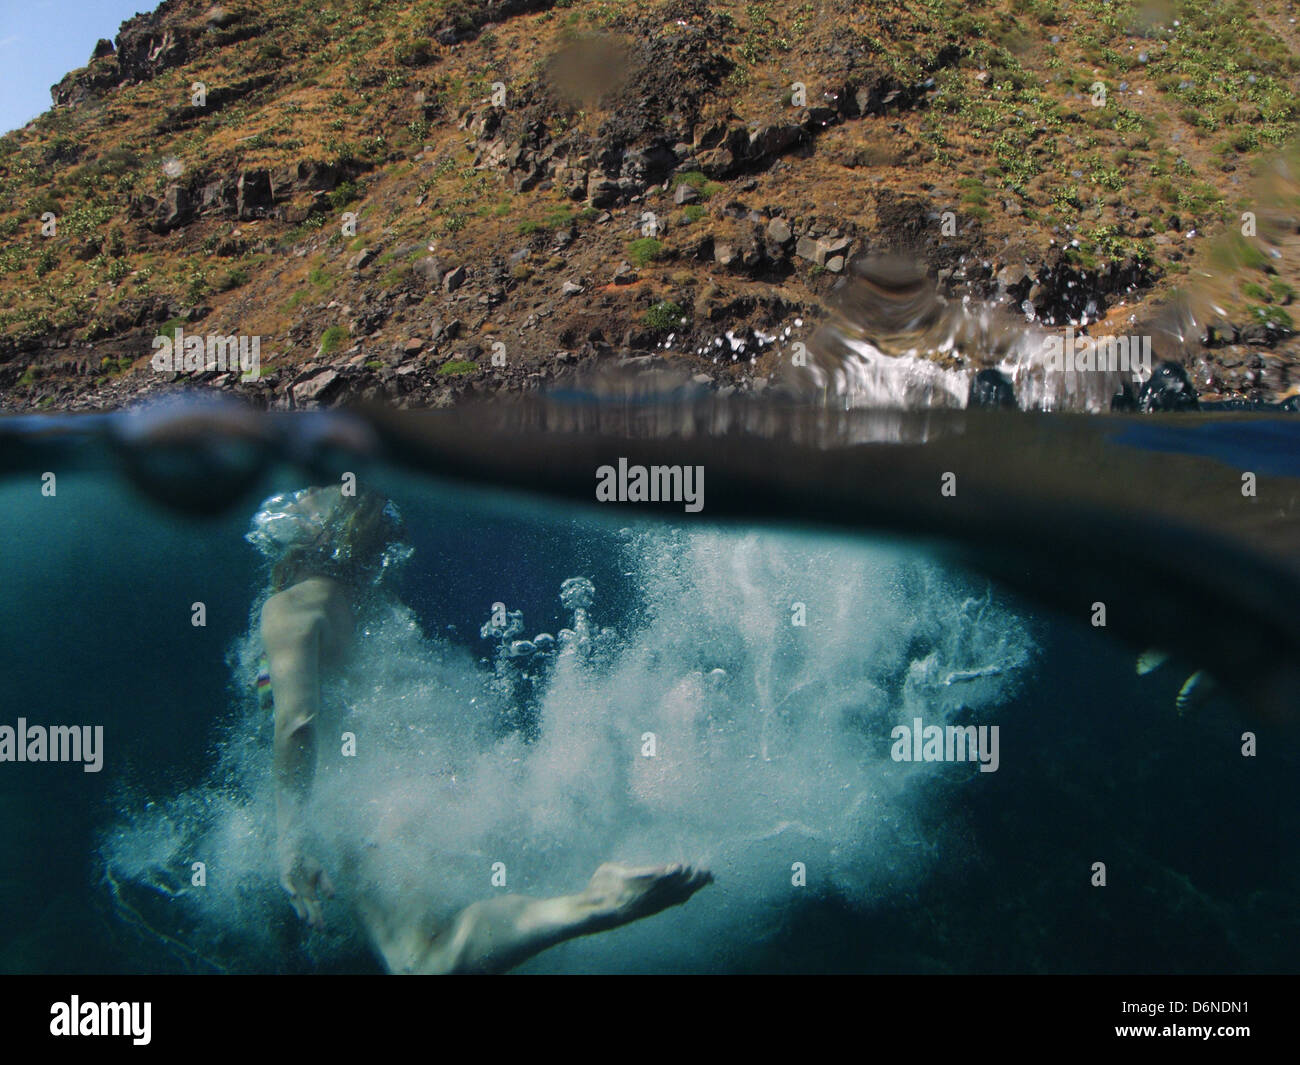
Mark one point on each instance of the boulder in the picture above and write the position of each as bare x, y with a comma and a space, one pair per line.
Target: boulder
772, 139
806, 248
717, 162
822, 250
1015, 279
146, 46
573, 182
778, 231
217, 196
603, 191
253, 196
454, 279
316, 389
175, 210
818, 118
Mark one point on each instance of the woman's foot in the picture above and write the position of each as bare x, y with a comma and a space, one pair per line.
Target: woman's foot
621, 893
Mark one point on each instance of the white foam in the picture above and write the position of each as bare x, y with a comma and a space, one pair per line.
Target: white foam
772, 747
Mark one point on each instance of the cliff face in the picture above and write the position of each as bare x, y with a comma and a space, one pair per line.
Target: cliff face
416, 201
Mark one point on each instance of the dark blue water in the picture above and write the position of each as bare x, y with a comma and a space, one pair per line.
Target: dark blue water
912, 868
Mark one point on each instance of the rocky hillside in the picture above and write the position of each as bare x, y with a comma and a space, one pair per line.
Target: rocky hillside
417, 201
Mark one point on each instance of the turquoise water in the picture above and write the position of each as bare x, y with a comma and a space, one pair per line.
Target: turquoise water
773, 741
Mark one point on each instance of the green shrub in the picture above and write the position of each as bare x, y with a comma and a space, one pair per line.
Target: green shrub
116, 162
1273, 316
558, 217
456, 368
645, 250
414, 53
344, 194
696, 180
1280, 291
664, 315
332, 338
169, 327
232, 279
197, 285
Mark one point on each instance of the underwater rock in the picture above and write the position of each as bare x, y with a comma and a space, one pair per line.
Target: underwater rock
1168, 389
990, 388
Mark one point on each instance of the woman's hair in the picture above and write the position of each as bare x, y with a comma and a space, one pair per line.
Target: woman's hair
322, 532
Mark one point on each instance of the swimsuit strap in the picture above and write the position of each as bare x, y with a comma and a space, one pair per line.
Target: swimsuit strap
265, 699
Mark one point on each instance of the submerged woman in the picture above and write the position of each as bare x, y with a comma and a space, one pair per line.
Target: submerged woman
329, 551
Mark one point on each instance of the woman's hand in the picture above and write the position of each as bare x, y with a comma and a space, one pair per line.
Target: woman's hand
307, 883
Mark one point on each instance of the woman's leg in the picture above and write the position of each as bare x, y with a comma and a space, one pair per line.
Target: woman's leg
495, 935
302, 627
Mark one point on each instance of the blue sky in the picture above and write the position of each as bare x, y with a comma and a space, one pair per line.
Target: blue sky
41, 40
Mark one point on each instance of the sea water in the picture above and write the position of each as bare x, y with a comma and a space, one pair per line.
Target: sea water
729, 695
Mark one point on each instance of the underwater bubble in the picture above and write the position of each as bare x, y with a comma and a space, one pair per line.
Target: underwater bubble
577, 593
768, 743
